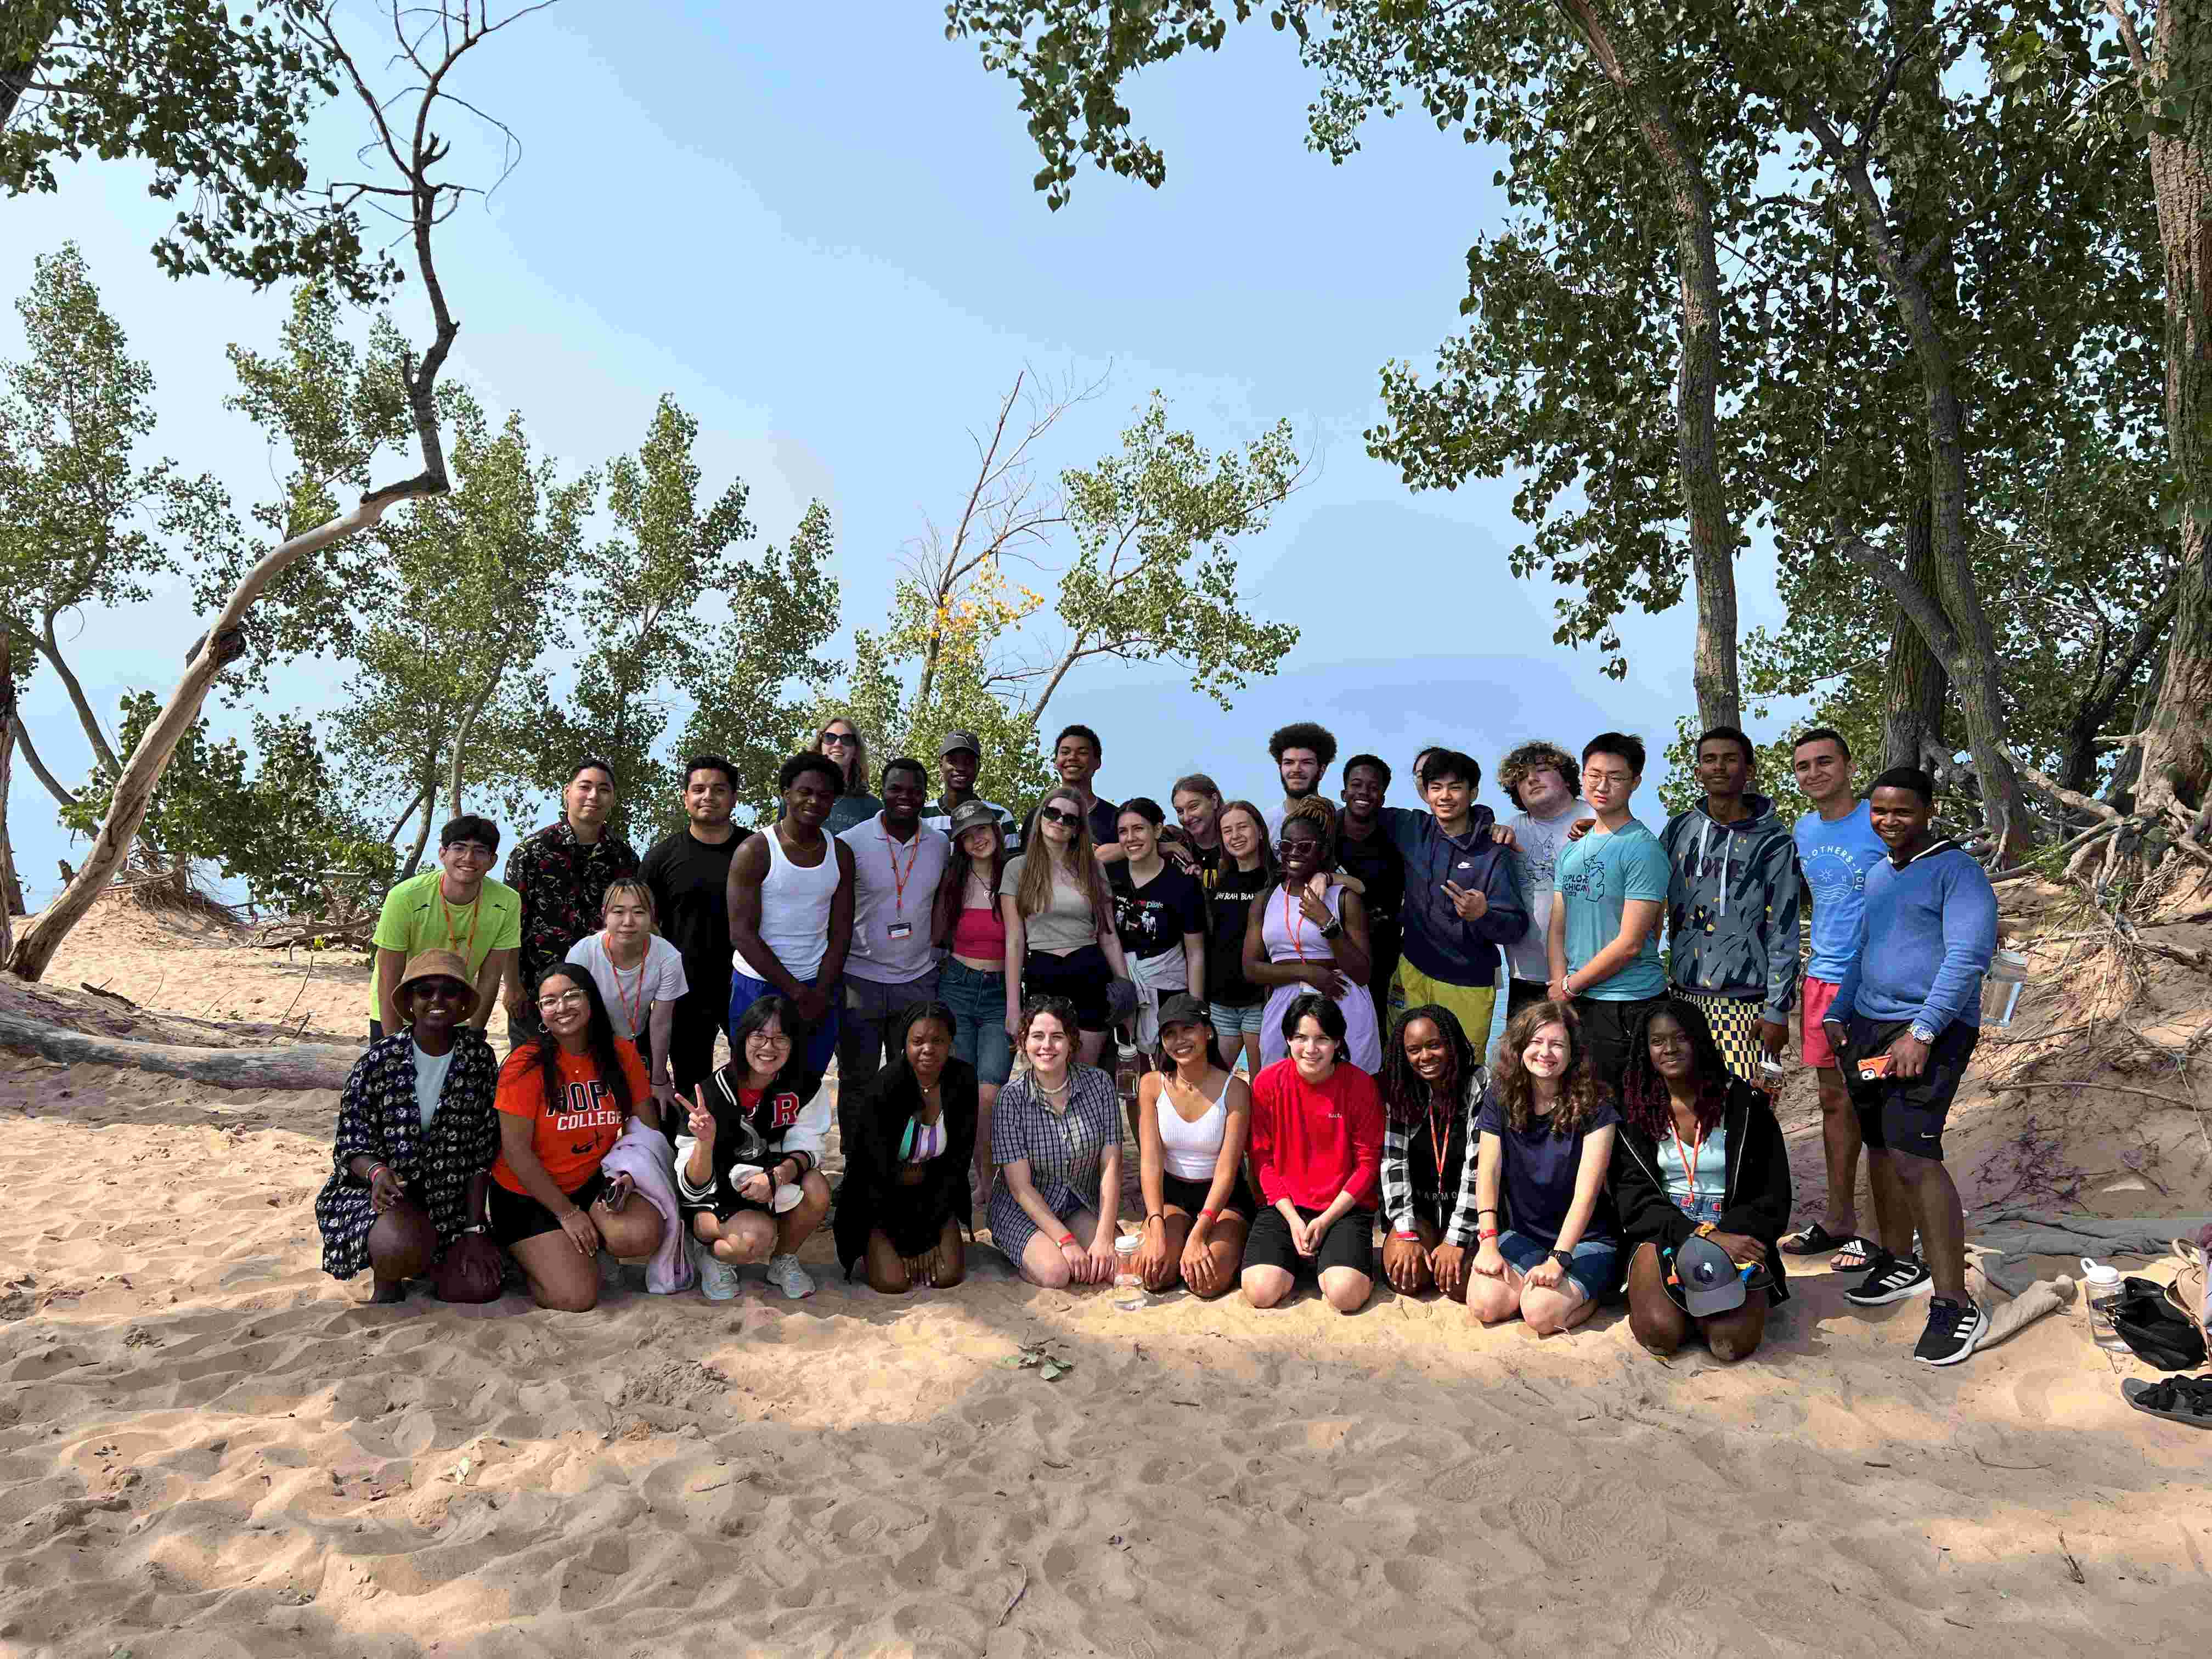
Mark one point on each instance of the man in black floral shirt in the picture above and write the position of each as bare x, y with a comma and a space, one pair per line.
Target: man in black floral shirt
563, 872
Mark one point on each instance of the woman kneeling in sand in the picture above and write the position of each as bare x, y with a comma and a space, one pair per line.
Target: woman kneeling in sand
1546, 1129
415, 1134
1431, 1084
749, 1173
1191, 1129
1699, 1154
908, 1136
1056, 1138
562, 1102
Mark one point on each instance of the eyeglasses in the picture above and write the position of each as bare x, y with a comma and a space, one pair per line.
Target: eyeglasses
472, 849
563, 999
770, 1037
1062, 816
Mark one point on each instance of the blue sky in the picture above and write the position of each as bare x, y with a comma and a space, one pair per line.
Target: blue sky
817, 229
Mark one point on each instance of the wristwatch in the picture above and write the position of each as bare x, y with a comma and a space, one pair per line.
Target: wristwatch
1334, 929
1920, 1033
1565, 1258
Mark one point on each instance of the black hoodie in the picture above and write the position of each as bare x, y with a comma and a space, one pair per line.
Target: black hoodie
1755, 1201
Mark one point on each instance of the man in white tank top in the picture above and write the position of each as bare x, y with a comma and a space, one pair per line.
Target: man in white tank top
791, 909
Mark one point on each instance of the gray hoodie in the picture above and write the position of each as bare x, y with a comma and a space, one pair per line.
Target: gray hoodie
1732, 906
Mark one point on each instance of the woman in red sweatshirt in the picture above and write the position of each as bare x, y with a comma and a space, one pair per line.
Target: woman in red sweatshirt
1316, 1149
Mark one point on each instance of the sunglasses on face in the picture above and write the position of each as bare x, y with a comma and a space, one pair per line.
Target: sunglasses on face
1060, 815
840, 739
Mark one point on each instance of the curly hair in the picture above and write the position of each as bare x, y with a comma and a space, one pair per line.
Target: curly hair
1644, 1098
1405, 1093
1304, 734
1061, 1010
1530, 757
1319, 813
1580, 1093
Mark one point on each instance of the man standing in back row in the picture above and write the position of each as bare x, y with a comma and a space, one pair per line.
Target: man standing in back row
561, 876
961, 758
457, 906
1732, 909
1837, 848
1910, 1011
1541, 779
1302, 752
1613, 887
791, 910
687, 873
1462, 897
1076, 753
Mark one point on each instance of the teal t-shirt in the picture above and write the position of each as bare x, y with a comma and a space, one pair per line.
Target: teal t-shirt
1598, 875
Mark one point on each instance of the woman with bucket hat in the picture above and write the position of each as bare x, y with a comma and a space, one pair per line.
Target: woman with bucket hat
416, 1135
1701, 1178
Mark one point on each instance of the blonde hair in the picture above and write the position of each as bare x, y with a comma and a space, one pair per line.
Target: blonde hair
1033, 893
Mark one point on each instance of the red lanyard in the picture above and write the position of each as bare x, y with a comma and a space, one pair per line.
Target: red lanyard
636, 1013
1290, 920
1437, 1145
898, 877
1689, 1163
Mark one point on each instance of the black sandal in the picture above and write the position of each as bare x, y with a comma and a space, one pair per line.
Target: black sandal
2178, 1399
1810, 1241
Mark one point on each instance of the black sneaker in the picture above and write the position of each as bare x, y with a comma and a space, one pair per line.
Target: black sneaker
1889, 1279
1954, 1330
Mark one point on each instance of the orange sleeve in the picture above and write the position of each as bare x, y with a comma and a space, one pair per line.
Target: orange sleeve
522, 1092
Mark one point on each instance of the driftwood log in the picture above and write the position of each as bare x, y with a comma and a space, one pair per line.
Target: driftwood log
298, 1066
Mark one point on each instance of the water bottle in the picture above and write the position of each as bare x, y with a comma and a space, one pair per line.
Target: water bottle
1129, 1292
2100, 1300
1128, 1071
2001, 987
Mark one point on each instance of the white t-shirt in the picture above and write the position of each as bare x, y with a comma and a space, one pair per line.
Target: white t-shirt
430, 1081
630, 993
1538, 858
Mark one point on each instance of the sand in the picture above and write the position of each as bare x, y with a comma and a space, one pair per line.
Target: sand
207, 1448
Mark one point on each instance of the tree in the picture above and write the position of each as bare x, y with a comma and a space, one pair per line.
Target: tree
413, 152
1621, 135
79, 514
1151, 576
465, 610
217, 107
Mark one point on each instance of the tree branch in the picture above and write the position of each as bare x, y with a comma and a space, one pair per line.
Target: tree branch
1910, 597
62, 797
2129, 38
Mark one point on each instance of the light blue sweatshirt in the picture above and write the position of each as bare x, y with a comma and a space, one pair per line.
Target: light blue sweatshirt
1925, 940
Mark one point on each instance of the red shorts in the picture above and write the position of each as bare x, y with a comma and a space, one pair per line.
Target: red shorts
1820, 996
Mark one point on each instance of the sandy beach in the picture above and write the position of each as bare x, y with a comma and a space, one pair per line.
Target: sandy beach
208, 1447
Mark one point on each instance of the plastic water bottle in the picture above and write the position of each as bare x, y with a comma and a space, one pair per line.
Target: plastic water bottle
2001, 986
1129, 1292
2101, 1299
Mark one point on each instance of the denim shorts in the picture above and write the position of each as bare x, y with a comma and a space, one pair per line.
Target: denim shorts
1233, 1025
1596, 1270
978, 1002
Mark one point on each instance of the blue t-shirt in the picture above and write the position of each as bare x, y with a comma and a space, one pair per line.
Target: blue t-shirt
1836, 857
1539, 1170
1707, 1172
1598, 875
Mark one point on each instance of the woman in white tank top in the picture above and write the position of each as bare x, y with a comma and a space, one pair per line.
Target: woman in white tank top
1191, 1126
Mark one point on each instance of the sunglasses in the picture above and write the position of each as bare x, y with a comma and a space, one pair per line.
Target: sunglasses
841, 739
1060, 815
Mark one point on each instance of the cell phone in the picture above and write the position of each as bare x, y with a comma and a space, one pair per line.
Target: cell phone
1874, 1067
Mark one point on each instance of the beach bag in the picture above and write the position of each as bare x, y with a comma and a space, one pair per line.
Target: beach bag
2154, 1331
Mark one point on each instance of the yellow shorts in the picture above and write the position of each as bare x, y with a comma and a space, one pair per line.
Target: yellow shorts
1471, 1003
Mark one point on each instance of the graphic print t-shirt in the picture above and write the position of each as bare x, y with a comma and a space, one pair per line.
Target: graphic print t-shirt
1538, 856
571, 1135
1153, 919
1598, 875
1835, 858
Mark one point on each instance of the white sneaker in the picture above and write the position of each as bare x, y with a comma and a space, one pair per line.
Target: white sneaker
718, 1279
788, 1276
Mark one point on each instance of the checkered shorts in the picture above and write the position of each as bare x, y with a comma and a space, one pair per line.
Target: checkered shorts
1734, 1021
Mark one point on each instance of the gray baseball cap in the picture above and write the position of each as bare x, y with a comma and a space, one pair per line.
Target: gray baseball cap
956, 741
1710, 1283
971, 815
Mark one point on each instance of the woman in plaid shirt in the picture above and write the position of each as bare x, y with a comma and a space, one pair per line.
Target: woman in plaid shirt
1432, 1082
1056, 1138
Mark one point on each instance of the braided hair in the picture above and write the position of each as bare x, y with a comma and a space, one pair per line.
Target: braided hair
1405, 1092
1644, 1102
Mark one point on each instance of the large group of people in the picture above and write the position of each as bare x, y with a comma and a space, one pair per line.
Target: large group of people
1308, 989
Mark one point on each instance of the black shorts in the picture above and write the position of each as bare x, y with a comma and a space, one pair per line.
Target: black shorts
1191, 1195
1081, 976
510, 1218
1349, 1242
1907, 1116
1609, 1032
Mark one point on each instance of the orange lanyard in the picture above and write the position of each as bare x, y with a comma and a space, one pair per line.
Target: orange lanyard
1437, 1145
898, 877
1292, 919
445, 923
636, 1012
1689, 1162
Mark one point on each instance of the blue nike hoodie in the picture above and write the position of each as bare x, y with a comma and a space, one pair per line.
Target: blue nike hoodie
1437, 941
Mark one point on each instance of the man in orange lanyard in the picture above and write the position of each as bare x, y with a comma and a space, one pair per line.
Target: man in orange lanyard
897, 862
457, 907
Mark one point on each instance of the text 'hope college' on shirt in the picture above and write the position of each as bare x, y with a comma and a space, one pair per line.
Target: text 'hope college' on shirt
572, 1135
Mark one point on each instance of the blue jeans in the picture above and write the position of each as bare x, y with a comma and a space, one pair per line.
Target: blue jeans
1596, 1270
978, 1002
821, 1042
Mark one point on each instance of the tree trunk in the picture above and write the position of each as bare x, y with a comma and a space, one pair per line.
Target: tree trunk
302, 1066
1713, 537
1915, 686
461, 750
62, 797
50, 646
135, 786
423, 833
2177, 750
11, 892
16, 81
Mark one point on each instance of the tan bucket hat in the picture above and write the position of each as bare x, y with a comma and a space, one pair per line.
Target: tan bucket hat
438, 964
